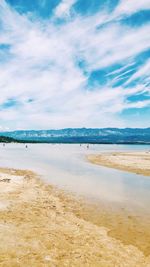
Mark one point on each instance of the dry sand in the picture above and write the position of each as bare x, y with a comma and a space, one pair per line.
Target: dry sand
136, 162
42, 226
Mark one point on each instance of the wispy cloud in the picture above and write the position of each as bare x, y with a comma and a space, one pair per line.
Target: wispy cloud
47, 65
129, 7
64, 8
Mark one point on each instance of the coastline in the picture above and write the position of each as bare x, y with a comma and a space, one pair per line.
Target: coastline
43, 226
136, 162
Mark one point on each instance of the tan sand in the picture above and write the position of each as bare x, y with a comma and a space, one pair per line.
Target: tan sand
40, 226
136, 162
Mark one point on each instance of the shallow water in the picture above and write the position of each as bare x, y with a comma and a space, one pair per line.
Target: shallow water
65, 166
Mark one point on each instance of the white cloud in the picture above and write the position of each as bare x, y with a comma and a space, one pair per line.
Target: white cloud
42, 72
63, 9
131, 6
142, 72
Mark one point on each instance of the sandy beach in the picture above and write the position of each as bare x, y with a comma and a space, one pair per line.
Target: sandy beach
43, 226
136, 162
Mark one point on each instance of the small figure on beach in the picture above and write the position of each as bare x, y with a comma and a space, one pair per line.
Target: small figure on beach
26, 146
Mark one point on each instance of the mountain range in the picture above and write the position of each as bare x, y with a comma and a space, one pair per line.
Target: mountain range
82, 135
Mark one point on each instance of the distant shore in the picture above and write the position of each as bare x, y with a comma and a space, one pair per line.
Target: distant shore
43, 226
136, 162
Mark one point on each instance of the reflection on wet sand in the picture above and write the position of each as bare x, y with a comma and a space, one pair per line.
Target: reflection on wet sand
111, 199
43, 226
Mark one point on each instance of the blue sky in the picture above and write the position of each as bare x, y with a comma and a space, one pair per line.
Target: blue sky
74, 63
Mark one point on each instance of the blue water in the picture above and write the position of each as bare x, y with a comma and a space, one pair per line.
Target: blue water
66, 167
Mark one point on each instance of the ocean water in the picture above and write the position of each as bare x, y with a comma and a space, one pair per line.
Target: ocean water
65, 166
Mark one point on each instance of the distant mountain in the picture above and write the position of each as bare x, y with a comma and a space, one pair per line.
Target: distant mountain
83, 135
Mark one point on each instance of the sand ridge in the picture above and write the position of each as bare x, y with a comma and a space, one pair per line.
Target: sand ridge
37, 229
136, 162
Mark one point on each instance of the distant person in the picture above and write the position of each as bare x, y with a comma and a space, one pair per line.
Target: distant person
26, 146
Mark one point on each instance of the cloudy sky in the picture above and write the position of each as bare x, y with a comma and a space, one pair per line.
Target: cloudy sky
74, 63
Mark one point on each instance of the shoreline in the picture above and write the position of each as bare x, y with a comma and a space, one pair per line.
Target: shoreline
43, 226
135, 162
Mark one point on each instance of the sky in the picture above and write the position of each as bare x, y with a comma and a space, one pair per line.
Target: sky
74, 63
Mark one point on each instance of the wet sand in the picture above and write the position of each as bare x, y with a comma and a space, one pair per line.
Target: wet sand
43, 226
136, 162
